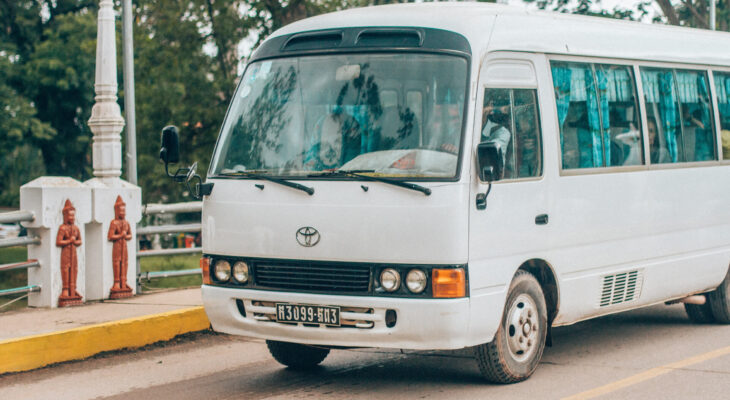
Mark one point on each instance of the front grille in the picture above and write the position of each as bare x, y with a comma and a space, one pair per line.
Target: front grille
314, 277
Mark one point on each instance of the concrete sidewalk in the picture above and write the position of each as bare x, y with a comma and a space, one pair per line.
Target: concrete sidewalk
31, 338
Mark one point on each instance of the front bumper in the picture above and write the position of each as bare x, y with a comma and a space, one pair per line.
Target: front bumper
422, 324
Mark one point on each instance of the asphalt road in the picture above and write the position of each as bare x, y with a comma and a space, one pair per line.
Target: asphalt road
653, 353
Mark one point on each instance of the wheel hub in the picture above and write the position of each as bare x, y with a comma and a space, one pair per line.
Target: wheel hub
522, 327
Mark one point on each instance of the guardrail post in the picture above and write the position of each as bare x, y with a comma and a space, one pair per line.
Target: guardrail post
100, 251
106, 123
45, 198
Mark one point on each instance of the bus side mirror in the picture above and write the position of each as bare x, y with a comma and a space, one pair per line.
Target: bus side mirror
170, 154
170, 147
490, 161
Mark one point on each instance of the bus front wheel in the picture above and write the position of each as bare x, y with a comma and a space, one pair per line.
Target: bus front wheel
296, 356
517, 347
720, 301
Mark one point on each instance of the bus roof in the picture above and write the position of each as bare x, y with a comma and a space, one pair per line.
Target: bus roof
492, 27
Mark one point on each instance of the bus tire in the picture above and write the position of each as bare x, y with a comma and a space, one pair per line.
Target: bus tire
719, 300
699, 314
295, 355
517, 347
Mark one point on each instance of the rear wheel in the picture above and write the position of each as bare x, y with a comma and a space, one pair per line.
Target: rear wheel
517, 347
699, 314
719, 300
296, 356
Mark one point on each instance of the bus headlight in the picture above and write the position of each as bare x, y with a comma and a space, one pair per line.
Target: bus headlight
416, 281
390, 279
222, 270
240, 272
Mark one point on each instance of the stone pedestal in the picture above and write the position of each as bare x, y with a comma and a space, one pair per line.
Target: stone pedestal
100, 271
45, 197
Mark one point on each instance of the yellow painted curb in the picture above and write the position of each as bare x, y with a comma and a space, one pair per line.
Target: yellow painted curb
32, 352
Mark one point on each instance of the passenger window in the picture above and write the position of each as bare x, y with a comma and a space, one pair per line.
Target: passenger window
722, 88
597, 114
510, 118
679, 115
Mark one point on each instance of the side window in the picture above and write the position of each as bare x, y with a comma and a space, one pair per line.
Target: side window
722, 88
679, 115
598, 115
510, 117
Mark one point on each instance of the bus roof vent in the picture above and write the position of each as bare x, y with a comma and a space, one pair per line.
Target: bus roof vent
390, 37
314, 41
621, 288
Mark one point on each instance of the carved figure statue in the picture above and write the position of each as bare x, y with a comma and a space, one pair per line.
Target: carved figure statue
119, 233
68, 238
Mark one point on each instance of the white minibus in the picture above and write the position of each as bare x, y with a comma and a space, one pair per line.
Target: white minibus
453, 175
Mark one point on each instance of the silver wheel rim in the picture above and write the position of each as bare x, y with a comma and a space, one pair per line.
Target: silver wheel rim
522, 328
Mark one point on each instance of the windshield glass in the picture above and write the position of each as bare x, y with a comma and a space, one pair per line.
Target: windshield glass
397, 115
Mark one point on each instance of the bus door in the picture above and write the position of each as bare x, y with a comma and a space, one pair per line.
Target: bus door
513, 226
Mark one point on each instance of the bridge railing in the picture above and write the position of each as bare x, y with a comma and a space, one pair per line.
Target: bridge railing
158, 209
15, 217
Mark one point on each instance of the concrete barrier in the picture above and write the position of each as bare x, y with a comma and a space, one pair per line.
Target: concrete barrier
31, 352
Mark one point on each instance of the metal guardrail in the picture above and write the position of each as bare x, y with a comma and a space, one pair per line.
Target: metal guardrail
13, 217
175, 208
19, 241
20, 265
151, 230
19, 290
166, 274
16, 216
169, 252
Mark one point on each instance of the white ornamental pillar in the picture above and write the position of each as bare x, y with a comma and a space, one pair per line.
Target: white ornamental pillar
107, 188
53, 200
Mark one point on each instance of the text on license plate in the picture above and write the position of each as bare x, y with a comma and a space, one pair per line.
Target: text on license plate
308, 314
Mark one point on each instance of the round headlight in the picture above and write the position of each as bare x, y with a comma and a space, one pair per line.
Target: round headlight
416, 281
222, 270
390, 279
240, 272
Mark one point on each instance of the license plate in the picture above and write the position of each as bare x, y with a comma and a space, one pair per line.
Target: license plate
308, 314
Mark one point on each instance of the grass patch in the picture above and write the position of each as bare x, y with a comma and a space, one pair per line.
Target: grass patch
171, 263
13, 279
19, 278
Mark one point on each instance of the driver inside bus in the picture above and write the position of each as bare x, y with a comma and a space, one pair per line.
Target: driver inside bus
495, 130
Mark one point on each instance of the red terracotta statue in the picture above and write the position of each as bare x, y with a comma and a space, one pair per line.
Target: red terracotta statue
119, 233
68, 238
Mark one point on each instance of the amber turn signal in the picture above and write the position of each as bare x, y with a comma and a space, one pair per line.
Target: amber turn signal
449, 282
205, 268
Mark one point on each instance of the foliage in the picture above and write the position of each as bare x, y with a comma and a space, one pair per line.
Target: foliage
188, 55
690, 13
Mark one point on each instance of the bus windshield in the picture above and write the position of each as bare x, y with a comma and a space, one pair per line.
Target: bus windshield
398, 115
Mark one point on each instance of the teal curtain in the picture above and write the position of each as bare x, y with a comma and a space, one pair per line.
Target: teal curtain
703, 137
723, 81
561, 80
668, 111
604, 134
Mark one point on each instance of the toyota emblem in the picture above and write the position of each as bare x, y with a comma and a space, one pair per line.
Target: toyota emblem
307, 236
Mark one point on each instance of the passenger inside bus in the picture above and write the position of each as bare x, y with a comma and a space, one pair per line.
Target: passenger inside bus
658, 152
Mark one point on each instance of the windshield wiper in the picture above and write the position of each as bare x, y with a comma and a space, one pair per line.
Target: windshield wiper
358, 173
255, 175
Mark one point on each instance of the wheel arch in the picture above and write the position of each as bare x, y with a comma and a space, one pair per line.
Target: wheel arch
545, 275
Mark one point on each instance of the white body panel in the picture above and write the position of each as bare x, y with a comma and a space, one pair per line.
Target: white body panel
670, 224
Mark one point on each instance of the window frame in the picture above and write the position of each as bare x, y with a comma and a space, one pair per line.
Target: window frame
484, 84
715, 105
637, 64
